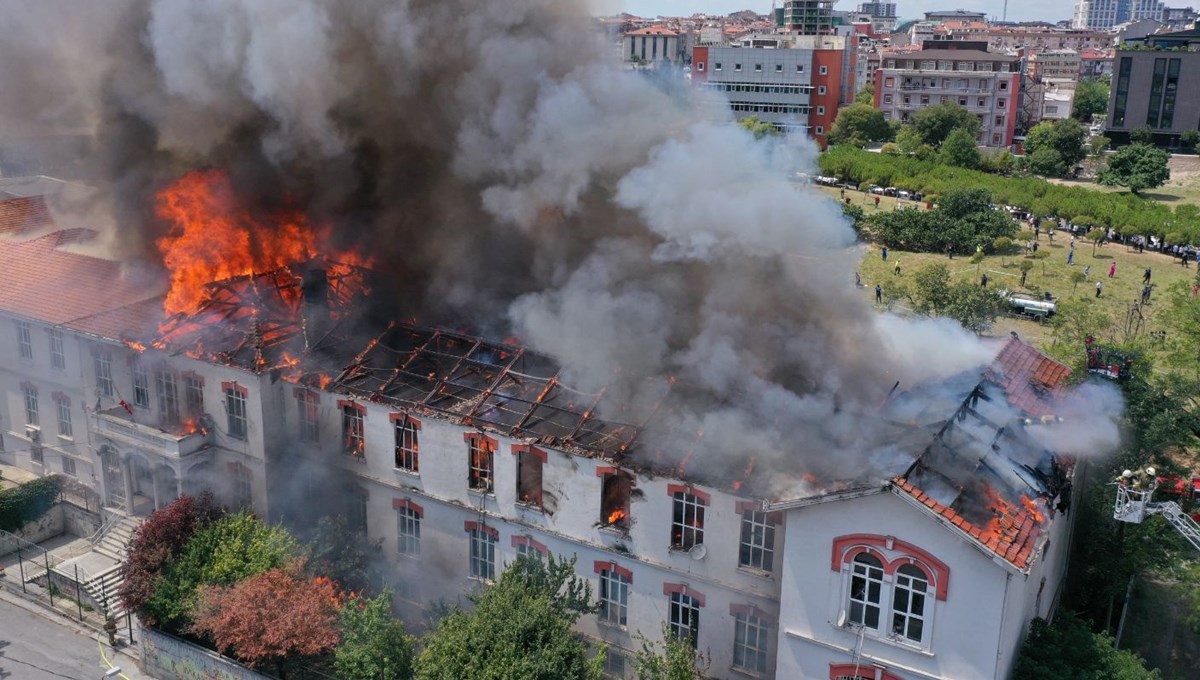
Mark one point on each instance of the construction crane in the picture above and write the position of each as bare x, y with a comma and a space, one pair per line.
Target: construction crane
1134, 504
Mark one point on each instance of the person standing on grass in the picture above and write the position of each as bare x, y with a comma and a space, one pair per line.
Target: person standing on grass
1112, 270
983, 281
1146, 276
1071, 257
1086, 272
883, 253
878, 294
1099, 287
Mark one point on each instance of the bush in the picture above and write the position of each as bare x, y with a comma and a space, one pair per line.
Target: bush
28, 502
1188, 140
963, 221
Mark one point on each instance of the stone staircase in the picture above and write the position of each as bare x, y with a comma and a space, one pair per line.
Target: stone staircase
113, 542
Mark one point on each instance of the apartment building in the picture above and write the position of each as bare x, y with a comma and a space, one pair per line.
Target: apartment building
986, 84
652, 46
456, 455
794, 82
1153, 84
1058, 65
1095, 63
1106, 14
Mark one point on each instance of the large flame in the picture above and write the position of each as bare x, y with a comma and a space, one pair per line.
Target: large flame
212, 238
616, 516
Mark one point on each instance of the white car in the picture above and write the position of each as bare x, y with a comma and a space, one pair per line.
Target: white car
906, 195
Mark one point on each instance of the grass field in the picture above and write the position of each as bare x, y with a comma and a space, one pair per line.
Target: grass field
1050, 273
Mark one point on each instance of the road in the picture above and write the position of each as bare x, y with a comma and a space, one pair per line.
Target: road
34, 646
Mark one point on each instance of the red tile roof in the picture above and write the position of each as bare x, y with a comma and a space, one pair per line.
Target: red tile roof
653, 30
89, 294
1011, 535
1031, 380
19, 215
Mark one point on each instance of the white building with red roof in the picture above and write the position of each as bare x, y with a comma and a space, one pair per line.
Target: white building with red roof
652, 46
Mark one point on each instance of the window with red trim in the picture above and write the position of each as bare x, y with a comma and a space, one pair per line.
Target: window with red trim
407, 444
757, 550
353, 425
235, 409
483, 552
481, 451
687, 523
615, 489
859, 671
889, 585
529, 475
614, 595
684, 617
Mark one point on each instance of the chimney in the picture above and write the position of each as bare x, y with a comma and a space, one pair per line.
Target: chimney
314, 291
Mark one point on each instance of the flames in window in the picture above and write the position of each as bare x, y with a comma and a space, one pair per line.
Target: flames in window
529, 478
614, 501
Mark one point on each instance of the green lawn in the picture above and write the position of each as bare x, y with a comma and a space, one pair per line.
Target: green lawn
1050, 273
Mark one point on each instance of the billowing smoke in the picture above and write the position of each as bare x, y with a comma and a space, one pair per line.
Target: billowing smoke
504, 173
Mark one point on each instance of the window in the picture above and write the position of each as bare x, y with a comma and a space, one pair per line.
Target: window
24, 341
758, 540
353, 437
614, 663
1122, 95
308, 405
995, 138
758, 68
981, 101
751, 638
824, 70
31, 404
193, 395
614, 593
779, 68
700, 66
168, 397
63, 406
866, 587
481, 452
999, 120
356, 510
1003, 84
615, 489
235, 409
924, 99
68, 465
889, 82
821, 89
483, 551
1172, 91
999, 103
58, 359
820, 130
962, 101
887, 98
908, 602
243, 490
684, 617
820, 110
1157, 84
528, 547
737, 67
529, 474
104, 381
407, 444
141, 386
408, 527
716, 66
687, 523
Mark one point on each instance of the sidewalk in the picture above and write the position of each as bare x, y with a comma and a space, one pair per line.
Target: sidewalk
107, 657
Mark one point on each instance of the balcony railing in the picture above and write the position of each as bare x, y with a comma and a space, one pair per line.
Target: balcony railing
117, 425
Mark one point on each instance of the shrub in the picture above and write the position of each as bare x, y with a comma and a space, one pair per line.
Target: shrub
28, 502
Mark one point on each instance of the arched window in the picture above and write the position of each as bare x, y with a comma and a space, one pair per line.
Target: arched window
866, 588
908, 602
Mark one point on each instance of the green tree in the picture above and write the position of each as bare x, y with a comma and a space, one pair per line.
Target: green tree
1026, 266
856, 214
1066, 137
935, 123
224, 552
374, 646
1181, 316
908, 139
866, 95
672, 659
1045, 162
1098, 145
1002, 245
1077, 277
1188, 140
520, 628
1096, 236
1091, 98
758, 128
932, 293
959, 150
1141, 135
1137, 166
340, 553
859, 124
998, 162
1069, 650
1073, 322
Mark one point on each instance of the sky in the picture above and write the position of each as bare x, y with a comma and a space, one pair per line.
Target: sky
1018, 10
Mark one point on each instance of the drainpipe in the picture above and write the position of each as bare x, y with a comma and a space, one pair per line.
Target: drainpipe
1003, 617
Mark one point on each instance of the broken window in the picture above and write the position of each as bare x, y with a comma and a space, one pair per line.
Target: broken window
141, 386
529, 475
908, 602
758, 541
353, 441
687, 523
235, 409
481, 451
193, 395
866, 586
104, 381
24, 341
407, 443
58, 358
614, 499
307, 405
168, 398
684, 618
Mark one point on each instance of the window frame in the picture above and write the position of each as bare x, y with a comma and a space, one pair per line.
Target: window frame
24, 340
166, 385
408, 527
481, 462
756, 541
867, 570
354, 428
102, 363
909, 616
62, 406
688, 507
683, 615
243, 485
193, 395
481, 552
308, 415
236, 410
58, 354
406, 453
32, 407
68, 466
531, 466
612, 578
747, 620
141, 385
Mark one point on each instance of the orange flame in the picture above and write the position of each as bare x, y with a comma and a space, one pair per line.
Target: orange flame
133, 344
1032, 507
616, 516
324, 380
211, 238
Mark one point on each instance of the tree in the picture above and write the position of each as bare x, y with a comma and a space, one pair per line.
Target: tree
340, 553
1002, 245
1181, 315
959, 150
226, 551
859, 124
156, 543
1098, 145
866, 95
1077, 277
758, 128
1066, 137
1188, 140
1091, 98
908, 139
520, 628
1068, 649
1141, 135
935, 123
998, 162
932, 293
374, 646
856, 214
270, 617
1137, 166
672, 659
1045, 162
1096, 236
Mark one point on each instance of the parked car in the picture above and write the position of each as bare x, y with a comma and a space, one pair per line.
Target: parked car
889, 191
904, 195
876, 189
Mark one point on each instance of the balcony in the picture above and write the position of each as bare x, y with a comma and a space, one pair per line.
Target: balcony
118, 425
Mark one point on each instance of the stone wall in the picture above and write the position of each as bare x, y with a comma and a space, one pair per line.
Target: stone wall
79, 522
42, 529
166, 657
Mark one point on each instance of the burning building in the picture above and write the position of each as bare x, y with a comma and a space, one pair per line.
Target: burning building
484, 295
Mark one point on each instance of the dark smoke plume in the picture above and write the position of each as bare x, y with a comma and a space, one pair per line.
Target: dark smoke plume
504, 173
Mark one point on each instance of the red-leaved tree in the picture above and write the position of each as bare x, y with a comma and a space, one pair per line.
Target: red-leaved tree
160, 539
273, 616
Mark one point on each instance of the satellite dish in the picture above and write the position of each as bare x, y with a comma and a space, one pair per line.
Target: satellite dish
841, 618
698, 551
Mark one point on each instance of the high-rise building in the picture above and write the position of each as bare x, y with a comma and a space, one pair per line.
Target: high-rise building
1104, 14
878, 9
808, 17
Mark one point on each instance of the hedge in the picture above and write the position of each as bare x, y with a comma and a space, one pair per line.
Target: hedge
28, 502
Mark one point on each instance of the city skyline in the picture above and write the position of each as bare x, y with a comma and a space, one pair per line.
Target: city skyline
1018, 10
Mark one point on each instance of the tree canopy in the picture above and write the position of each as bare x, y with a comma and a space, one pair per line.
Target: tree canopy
959, 149
1091, 98
1066, 139
866, 95
374, 646
935, 123
1137, 166
1068, 650
758, 128
934, 294
672, 659
963, 221
859, 124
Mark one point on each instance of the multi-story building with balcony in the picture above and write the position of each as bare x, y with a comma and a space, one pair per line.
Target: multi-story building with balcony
1058, 65
456, 455
986, 84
